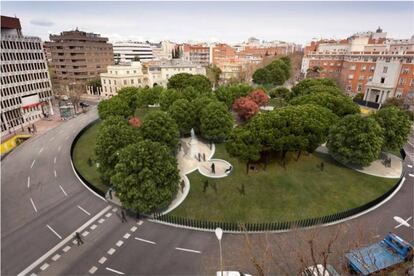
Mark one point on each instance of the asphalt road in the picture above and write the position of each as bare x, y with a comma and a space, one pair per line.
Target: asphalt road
144, 247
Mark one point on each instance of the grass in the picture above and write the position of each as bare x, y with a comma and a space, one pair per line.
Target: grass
300, 191
85, 149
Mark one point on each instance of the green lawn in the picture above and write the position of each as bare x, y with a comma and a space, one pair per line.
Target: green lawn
85, 148
300, 191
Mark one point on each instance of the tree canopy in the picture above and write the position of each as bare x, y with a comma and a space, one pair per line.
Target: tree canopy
146, 176
304, 86
356, 140
115, 106
216, 122
229, 93
396, 125
183, 113
199, 82
168, 97
259, 96
158, 126
276, 73
245, 107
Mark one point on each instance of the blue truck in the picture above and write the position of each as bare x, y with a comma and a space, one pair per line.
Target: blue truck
392, 250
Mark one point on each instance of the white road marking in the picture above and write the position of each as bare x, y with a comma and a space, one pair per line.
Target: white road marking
62, 243
101, 220
133, 228
56, 257
40, 151
54, 160
93, 269
111, 251
34, 207
102, 260
85, 233
93, 227
51, 229
54, 171
140, 222
28, 181
410, 166
108, 215
147, 241
51, 139
410, 174
33, 274
86, 212
115, 271
33, 163
114, 210
44, 266
59, 148
126, 236
67, 248
119, 243
63, 190
188, 250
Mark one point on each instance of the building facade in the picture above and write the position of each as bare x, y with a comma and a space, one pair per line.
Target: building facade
367, 63
198, 53
78, 56
25, 83
129, 51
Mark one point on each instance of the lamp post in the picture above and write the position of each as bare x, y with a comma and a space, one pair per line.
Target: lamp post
219, 235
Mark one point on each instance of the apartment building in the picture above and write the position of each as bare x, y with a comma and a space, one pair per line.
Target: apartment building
198, 53
164, 50
129, 51
367, 63
25, 83
78, 56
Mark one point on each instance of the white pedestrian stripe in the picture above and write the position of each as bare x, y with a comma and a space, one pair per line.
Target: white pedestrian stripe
102, 260
410, 166
63, 190
51, 229
410, 174
33, 163
93, 269
54, 160
28, 181
56, 257
140, 222
111, 251
133, 228
147, 241
101, 220
114, 210
40, 151
119, 243
67, 248
85, 233
126, 236
44, 266
108, 215
33, 274
59, 148
55, 173
188, 250
34, 207
93, 227
86, 212
115, 271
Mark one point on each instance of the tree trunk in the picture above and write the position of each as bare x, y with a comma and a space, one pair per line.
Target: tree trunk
247, 166
284, 152
299, 154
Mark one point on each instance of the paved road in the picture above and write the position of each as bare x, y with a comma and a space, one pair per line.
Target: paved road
141, 247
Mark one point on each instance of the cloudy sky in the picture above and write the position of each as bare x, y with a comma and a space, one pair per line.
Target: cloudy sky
214, 21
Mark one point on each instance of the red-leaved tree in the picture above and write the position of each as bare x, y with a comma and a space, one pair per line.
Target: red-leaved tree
135, 121
245, 107
259, 97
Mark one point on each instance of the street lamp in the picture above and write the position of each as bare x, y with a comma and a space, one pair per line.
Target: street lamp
403, 222
219, 235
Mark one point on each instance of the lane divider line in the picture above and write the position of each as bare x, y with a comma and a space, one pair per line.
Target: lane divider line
188, 250
86, 212
28, 182
51, 229
115, 271
54, 171
33, 163
54, 160
63, 190
410, 174
410, 166
147, 241
59, 148
93, 270
40, 151
62, 243
34, 206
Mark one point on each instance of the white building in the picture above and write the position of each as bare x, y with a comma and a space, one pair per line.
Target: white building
119, 76
130, 50
25, 83
164, 50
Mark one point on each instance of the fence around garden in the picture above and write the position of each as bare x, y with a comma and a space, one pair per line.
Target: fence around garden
270, 226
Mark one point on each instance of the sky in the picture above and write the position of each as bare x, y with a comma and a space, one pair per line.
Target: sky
229, 22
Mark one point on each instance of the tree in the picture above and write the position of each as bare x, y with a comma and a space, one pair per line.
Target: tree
158, 126
356, 140
114, 134
130, 96
198, 82
135, 122
190, 93
150, 96
280, 92
213, 73
262, 76
396, 125
339, 104
229, 93
244, 145
197, 106
183, 113
115, 106
216, 122
245, 107
168, 97
276, 73
303, 87
146, 176
259, 96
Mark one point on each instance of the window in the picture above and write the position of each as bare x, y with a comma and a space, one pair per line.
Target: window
361, 77
350, 76
372, 68
359, 87
127, 72
382, 80
398, 94
132, 81
412, 82
125, 82
405, 70
385, 69
387, 59
348, 88
402, 81
363, 68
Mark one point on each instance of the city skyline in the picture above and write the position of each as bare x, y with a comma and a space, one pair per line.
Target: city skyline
297, 22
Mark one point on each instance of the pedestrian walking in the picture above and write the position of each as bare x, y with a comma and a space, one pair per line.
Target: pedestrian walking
182, 184
34, 128
78, 238
123, 216
213, 168
204, 157
110, 193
